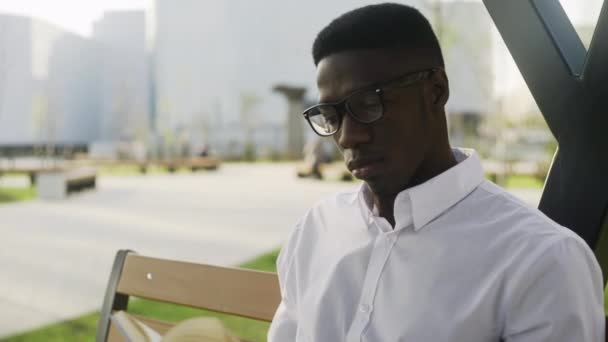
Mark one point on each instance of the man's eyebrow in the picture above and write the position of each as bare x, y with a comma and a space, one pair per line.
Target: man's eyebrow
369, 86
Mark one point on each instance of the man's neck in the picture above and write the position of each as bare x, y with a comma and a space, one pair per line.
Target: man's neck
385, 206
386, 203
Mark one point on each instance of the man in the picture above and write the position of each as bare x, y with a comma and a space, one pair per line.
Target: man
426, 249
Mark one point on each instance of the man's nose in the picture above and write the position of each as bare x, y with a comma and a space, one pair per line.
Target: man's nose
352, 133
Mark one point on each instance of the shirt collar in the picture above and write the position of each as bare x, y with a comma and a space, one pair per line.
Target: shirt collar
423, 203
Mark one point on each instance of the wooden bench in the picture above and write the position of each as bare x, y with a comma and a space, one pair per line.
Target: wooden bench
31, 171
172, 165
57, 184
79, 179
194, 164
240, 292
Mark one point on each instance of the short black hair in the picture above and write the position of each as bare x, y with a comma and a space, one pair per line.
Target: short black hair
387, 25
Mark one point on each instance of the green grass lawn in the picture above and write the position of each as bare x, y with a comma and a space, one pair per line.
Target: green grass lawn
520, 181
83, 328
16, 194
606, 300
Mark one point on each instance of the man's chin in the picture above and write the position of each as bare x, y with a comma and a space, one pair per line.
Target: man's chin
379, 187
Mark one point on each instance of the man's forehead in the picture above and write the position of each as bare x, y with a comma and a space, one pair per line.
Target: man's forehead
344, 72
358, 63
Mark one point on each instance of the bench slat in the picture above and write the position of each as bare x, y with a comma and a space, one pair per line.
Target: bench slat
246, 293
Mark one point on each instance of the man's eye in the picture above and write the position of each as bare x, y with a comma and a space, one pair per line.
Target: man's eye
331, 119
368, 101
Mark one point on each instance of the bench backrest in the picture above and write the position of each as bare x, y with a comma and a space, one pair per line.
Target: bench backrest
241, 292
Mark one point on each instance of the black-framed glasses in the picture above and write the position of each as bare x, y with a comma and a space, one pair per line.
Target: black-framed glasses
364, 106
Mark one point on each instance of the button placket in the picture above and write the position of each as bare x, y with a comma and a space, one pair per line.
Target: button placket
382, 248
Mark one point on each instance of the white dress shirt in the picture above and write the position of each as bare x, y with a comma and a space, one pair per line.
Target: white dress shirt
465, 262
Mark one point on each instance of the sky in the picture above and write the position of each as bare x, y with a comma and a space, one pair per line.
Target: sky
73, 15
78, 15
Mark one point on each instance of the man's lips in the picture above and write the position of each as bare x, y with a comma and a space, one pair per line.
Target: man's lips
363, 168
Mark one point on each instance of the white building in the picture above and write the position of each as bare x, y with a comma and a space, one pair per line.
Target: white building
47, 84
124, 75
464, 29
465, 32
217, 61
18, 88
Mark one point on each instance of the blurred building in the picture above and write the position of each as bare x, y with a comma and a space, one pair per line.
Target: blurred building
217, 61
191, 66
73, 89
48, 84
464, 29
124, 76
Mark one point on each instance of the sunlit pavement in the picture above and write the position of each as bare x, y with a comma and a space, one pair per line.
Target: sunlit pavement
56, 256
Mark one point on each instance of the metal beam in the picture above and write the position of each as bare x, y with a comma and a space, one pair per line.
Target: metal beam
570, 86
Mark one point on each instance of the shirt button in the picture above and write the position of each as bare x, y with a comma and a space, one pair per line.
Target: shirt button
364, 308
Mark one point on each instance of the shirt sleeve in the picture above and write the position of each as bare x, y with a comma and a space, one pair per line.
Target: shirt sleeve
558, 297
284, 324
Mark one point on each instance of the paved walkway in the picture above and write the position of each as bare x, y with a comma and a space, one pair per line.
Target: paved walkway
56, 256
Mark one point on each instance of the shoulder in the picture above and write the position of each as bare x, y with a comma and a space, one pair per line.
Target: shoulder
517, 220
559, 285
546, 268
533, 242
513, 231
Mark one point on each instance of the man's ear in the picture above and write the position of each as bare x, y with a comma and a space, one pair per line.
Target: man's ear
441, 89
